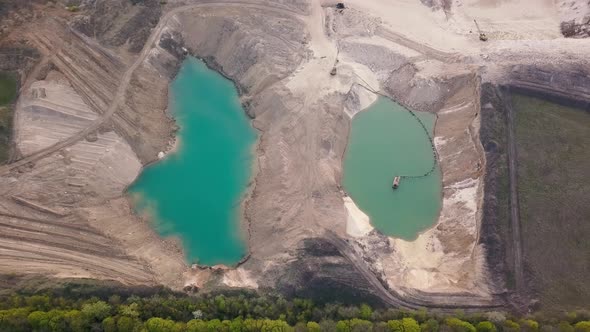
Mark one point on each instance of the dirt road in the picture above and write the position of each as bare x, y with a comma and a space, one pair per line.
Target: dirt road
420, 48
451, 303
119, 97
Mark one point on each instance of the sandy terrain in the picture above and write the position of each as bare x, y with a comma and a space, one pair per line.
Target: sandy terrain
358, 223
454, 30
95, 112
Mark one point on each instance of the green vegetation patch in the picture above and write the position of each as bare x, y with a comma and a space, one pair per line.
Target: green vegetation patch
73, 9
8, 90
247, 312
496, 227
5, 129
553, 187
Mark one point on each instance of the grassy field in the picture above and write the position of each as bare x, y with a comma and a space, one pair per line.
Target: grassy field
7, 95
554, 191
7, 89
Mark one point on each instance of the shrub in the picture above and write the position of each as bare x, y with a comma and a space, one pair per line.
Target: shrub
565, 327
583, 326
486, 326
529, 325
511, 326
457, 325
430, 325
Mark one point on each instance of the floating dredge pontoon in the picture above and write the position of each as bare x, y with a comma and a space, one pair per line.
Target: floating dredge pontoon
396, 182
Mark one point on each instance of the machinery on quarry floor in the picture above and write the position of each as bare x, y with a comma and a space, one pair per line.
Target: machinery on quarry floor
482, 36
334, 71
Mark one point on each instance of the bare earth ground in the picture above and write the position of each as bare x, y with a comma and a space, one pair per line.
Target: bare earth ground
94, 112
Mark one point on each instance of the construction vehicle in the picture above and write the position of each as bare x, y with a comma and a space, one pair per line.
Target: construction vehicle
482, 36
333, 71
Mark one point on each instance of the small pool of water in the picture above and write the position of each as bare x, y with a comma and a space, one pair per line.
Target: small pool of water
195, 192
386, 141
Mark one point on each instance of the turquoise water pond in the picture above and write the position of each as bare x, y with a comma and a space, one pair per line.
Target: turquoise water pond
195, 192
386, 141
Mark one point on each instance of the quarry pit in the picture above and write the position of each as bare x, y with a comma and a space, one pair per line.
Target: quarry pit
93, 111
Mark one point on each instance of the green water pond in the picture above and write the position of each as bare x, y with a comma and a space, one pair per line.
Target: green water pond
195, 192
386, 141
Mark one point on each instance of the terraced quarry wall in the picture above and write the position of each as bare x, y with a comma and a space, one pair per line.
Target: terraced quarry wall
120, 116
82, 183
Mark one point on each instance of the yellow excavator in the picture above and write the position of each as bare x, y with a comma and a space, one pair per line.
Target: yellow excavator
482, 36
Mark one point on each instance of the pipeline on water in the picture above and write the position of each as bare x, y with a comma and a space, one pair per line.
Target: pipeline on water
412, 113
434, 153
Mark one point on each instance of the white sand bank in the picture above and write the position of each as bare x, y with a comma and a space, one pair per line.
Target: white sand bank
357, 224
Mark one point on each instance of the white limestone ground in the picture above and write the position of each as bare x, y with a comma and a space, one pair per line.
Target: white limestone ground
240, 278
357, 224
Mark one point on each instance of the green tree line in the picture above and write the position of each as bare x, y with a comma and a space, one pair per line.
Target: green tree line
247, 312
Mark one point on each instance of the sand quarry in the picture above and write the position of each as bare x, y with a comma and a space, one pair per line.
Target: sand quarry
92, 112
